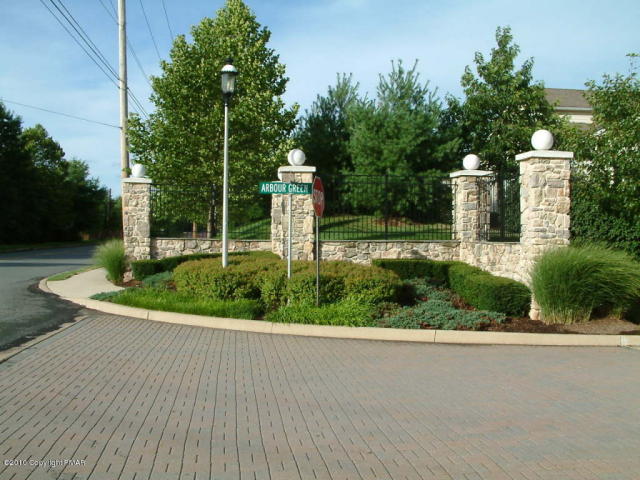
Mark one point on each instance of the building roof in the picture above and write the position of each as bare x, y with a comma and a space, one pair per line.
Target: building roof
567, 99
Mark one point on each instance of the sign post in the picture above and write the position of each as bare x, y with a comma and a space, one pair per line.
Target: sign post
290, 189
317, 196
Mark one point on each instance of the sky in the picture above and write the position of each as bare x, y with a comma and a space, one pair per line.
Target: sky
571, 41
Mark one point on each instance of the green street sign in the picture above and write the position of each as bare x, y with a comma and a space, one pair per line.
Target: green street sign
281, 188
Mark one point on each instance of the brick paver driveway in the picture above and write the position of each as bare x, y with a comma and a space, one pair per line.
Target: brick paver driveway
125, 398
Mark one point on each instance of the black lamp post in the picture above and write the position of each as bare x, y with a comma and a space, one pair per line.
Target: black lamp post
228, 74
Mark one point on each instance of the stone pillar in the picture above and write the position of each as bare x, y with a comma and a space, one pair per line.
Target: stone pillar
303, 216
471, 206
136, 217
545, 204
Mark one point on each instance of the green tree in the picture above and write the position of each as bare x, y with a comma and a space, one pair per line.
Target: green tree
323, 134
182, 141
18, 221
395, 134
502, 108
606, 186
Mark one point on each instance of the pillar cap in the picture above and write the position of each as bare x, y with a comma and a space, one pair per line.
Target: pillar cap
557, 154
295, 169
136, 180
470, 173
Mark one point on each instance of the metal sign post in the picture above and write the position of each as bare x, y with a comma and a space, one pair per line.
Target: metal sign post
290, 240
317, 197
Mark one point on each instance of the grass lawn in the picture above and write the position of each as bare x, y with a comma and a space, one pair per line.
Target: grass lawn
171, 301
19, 247
352, 227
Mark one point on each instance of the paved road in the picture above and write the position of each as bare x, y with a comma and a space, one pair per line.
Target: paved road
24, 310
124, 398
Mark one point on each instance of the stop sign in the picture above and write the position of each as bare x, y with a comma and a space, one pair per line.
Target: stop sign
317, 195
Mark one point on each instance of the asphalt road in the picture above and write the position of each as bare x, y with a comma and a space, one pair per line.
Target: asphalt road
24, 310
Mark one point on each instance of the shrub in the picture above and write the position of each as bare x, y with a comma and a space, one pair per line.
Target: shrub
208, 279
158, 280
347, 312
478, 288
111, 257
435, 271
441, 314
484, 291
570, 283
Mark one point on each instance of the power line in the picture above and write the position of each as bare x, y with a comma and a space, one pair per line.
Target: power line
111, 14
129, 45
166, 16
91, 50
150, 32
59, 113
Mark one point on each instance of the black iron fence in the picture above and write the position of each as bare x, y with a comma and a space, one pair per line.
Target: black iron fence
387, 207
196, 211
500, 217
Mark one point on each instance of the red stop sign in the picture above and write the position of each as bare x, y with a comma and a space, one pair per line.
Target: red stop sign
317, 195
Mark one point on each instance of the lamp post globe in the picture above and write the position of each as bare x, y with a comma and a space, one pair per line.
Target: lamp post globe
228, 75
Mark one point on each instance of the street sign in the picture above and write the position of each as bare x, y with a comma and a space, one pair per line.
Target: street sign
317, 195
282, 188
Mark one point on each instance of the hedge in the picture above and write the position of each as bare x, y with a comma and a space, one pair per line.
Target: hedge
478, 288
145, 268
436, 271
266, 278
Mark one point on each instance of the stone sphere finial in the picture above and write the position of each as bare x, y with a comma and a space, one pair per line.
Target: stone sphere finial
138, 171
471, 162
296, 157
542, 140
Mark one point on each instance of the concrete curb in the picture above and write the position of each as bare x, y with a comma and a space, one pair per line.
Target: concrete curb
366, 333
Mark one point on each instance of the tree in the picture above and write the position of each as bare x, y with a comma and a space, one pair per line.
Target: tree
17, 182
501, 109
395, 134
606, 186
182, 141
323, 134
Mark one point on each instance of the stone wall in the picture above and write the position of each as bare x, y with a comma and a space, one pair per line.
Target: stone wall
499, 258
544, 205
359, 251
303, 216
171, 247
136, 217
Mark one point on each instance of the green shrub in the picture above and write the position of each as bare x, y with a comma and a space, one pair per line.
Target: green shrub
158, 280
478, 288
111, 257
208, 279
145, 268
485, 291
171, 301
442, 315
570, 283
347, 312
435, 271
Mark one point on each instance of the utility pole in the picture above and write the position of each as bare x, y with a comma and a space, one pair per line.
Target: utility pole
124, 107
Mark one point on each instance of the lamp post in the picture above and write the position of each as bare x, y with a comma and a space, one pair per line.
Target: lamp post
228, 75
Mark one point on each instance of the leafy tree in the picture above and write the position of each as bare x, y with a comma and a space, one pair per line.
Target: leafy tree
502, 107
182, 141
395, 133
323, 134
606, 187
17, 182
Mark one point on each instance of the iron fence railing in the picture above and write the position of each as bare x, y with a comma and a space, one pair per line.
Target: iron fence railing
500, 212
387, 207
196, 211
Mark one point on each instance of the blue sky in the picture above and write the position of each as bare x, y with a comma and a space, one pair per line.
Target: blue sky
571, 41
